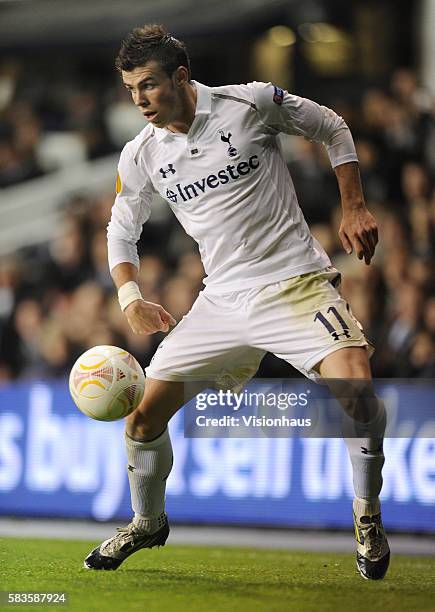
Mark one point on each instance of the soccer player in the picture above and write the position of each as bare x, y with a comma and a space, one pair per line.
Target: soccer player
212, 153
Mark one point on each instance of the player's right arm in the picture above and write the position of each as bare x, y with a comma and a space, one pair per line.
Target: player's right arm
132, 207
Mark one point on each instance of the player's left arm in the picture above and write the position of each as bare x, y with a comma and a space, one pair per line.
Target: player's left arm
283, 112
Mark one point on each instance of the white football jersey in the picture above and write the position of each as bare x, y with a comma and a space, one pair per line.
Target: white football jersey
228, 184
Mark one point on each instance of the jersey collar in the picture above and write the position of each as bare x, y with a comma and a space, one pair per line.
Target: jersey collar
203, 101
203, 107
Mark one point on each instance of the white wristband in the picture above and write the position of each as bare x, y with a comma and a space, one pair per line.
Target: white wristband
128, 293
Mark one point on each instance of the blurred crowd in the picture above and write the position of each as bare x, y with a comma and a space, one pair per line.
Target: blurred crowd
58, 119
57, 300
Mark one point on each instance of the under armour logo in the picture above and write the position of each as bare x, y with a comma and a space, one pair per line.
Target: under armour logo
170, 169
130, 468
171, 195
336, 335
232, 151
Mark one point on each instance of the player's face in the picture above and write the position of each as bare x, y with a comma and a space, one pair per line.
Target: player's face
154, 93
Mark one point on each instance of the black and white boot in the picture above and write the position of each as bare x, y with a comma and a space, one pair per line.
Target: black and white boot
373, 552
112, 552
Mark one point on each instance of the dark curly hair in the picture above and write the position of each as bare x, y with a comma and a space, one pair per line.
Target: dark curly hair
152, 42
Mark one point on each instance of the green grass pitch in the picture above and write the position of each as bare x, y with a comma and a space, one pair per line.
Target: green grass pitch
212, 579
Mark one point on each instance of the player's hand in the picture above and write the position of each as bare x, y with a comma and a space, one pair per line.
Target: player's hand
148, 318
359, 232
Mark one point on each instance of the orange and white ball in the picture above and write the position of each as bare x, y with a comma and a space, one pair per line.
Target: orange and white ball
106, 383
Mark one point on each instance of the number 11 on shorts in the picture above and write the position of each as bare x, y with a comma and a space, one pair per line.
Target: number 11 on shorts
330, 327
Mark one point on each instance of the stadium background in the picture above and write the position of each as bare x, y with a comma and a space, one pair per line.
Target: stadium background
63, 119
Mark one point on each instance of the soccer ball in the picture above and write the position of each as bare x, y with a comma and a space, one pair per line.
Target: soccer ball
106, 383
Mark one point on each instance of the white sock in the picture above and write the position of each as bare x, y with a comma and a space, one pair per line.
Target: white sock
367, 456
149, 465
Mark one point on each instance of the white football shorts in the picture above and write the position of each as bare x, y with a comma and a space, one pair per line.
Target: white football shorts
224, 337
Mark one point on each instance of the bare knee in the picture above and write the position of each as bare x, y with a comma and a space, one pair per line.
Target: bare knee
142, 426
160, 402
347, 373
351, 362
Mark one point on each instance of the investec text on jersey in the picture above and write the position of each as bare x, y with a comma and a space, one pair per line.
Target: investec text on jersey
212, 181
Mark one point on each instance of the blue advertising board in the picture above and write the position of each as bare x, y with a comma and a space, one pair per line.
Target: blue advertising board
54, 461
